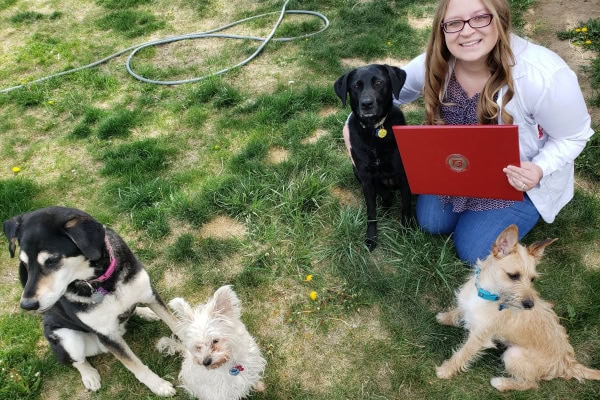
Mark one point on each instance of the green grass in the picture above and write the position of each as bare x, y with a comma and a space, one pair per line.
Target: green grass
587, 36
243, 179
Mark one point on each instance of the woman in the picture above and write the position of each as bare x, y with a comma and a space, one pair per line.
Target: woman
476, 72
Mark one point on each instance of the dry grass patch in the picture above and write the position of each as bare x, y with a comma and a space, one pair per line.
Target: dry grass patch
306, 346
277, 155
314, 138
357, 62
223, 228
420, 23
346, 197
591, 257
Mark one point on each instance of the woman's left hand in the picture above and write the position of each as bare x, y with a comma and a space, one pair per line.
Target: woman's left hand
525, 177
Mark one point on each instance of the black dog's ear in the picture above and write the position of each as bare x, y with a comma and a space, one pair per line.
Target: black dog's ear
341, 88
398, 77
87, 234
11, 227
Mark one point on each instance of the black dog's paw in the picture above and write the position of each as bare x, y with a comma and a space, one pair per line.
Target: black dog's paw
371, 243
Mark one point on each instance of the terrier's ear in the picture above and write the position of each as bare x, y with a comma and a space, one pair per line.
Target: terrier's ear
226, 302
506, 243
183, 311
537, 249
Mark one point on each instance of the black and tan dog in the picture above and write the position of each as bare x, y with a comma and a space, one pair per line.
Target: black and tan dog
375, 156
86, 282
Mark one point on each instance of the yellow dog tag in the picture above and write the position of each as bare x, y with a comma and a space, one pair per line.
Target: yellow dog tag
381, 133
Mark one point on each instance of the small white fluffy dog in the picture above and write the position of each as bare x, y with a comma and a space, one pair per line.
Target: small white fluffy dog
221, 360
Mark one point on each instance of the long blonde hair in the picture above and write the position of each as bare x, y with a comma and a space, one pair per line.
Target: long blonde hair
500, 60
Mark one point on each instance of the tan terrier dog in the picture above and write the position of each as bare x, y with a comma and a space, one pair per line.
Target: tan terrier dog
499, 304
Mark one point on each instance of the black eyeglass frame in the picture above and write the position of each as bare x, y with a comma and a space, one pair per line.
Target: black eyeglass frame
467, 21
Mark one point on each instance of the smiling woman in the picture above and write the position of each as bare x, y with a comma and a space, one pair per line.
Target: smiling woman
475, 71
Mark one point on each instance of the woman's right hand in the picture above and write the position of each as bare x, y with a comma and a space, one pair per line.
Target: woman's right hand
346, 133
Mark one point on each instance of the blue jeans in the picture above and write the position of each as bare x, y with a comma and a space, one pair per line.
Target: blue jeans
474, 231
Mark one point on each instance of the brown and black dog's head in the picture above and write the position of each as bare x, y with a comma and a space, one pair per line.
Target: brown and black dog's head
371, 88
56, 246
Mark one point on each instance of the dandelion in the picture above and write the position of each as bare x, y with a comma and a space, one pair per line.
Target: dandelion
588, 41
308, 278
313, 295
16, 170
584, 29
51, 102
578, 30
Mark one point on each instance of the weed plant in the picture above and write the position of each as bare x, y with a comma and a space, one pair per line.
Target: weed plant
243, 179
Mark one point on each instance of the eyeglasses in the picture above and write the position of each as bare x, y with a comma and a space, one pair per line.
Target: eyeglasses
478, 21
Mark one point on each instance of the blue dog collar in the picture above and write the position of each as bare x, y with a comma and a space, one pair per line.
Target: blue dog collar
484, 294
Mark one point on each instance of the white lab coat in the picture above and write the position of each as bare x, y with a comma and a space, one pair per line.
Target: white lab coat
547, 94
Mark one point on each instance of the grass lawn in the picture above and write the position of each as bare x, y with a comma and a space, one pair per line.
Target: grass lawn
242, 179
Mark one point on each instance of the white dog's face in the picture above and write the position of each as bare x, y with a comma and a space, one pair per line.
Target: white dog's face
208, 340
211, 331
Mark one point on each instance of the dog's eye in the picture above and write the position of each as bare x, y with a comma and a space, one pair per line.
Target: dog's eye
377, 83
198, 347
532, 280
514, 277
52, 261
215, 341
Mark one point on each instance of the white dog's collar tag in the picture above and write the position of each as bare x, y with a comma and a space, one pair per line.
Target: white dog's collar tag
236, 370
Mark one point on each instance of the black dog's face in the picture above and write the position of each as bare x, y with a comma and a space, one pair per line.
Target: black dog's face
50, 252
370, 92
370, 89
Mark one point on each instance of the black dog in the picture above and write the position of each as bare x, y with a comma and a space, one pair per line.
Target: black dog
375, 156
87, 283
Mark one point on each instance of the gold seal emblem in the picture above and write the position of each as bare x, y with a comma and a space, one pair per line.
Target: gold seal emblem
457, 162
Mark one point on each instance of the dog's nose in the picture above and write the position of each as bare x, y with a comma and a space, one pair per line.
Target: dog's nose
527, 304
207, 361
367, 103
29, 304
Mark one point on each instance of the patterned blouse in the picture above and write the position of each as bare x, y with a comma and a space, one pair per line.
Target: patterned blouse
462, 110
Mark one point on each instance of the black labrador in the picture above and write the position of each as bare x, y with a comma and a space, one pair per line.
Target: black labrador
377, 162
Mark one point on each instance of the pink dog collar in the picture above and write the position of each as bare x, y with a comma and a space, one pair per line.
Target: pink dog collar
111, 266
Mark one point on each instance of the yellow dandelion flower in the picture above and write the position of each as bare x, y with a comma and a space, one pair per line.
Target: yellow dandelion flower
578, 30
16, 170
588, 41
51, 102
584, 29
313, 295
308, 278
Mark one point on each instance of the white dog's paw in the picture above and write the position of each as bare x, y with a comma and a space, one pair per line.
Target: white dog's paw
498, 383
146, 313
178, 303
89, 375
163, 389
444, 371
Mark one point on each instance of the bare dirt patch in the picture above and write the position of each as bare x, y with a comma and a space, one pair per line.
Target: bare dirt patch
345, 197
314, 138
223, 228
277, 155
